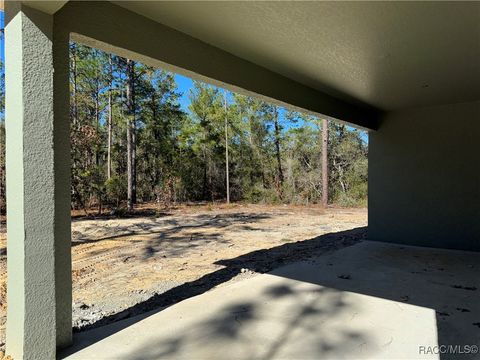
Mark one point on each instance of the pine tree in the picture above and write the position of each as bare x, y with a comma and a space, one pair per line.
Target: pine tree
131, 137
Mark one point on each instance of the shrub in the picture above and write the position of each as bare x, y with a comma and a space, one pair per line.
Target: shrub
116, 189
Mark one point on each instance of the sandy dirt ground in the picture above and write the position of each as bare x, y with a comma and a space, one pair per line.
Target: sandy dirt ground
125, 266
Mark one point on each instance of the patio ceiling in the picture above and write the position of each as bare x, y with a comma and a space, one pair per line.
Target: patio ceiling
389, 55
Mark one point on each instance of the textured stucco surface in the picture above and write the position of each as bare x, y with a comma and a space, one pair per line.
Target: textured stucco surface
34, 193
62, 175
105, 26
424, 177
14, 181
390, 54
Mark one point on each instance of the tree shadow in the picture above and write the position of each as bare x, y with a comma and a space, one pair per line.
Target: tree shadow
297, 319
164, 227
235, 327
111, 215
260, 261
153, 239
442, 280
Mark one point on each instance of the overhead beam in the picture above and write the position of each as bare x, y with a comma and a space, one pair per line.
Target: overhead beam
48, 7
112, 28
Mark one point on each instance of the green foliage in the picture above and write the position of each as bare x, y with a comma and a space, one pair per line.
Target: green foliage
116, 189
260, 195
349, 166
274, 155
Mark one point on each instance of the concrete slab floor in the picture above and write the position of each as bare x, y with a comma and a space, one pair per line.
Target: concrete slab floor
367, 301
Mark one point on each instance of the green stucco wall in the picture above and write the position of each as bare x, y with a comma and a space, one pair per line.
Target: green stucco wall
424, 177
38, 186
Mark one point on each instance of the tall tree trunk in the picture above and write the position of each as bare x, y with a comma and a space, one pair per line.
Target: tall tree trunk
277, 148
204, 179
226, 150
74, 80
97, 119
134, 160
325, 162
205, 168
110, 120
131, 137
74, 75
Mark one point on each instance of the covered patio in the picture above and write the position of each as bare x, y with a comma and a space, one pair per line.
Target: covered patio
370, 300
408, 72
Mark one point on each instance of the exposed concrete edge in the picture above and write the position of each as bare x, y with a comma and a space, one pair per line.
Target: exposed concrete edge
112, 28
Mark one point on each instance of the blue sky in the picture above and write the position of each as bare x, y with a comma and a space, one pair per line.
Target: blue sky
184, 86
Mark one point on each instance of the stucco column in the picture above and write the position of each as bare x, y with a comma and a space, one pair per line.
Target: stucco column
38, 185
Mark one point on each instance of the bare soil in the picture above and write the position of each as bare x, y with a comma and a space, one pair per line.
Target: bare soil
125, 266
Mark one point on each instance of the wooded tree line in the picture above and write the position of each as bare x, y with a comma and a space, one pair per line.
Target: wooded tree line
132, 142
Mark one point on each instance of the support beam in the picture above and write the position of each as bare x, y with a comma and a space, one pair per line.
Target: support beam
111, 28
38, 186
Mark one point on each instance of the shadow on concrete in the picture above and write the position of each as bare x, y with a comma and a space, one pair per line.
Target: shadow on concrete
443, 280
260, 261
235, 325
